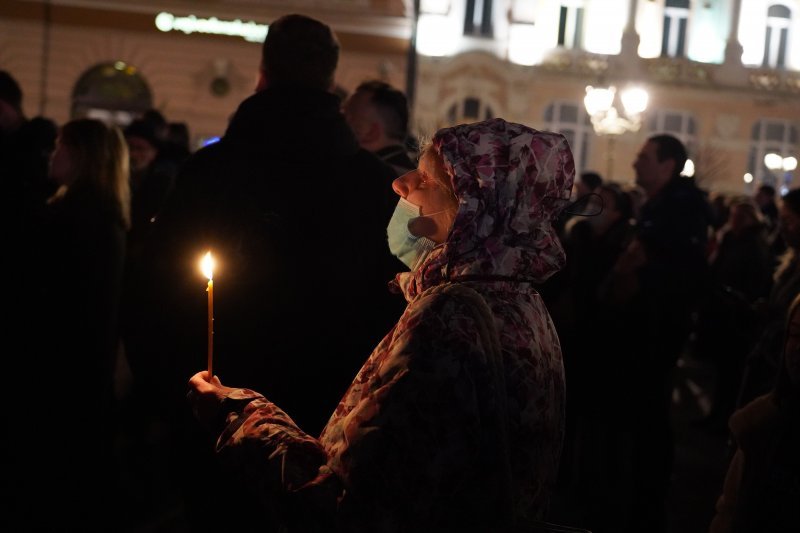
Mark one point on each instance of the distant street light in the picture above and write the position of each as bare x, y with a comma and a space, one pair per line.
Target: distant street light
607, 120
775, 163
688, 169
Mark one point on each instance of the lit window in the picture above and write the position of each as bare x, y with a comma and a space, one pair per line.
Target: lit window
676, 17
470, 110
570, 26
770, 136
478, 18
571, 120
680, 124
777, 36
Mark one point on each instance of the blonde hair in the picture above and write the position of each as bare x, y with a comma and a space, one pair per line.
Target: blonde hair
99, 156
439, 174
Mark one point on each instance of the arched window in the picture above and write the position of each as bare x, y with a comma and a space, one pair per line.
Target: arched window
571, 120
771, 136
680, 124
112, 92
470, 110
570, 25
777, 37
478, 18
676, 17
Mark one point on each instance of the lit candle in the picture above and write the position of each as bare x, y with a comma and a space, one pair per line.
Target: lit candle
207, 265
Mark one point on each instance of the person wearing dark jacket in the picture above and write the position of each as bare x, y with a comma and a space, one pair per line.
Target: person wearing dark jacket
659, 277
294, 212
75, 282
378, 114
762, 486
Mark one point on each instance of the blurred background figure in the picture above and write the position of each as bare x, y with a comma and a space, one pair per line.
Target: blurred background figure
766, 200
763, 360
587, 182
658, 279
595, 475
378, 115
152, 179
762, 487
177, 146
69, 467
25, 148
726, 328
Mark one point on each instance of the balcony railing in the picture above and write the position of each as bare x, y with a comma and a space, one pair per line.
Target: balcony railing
671, 70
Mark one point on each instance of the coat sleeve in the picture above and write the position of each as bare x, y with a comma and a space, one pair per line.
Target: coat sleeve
421, 433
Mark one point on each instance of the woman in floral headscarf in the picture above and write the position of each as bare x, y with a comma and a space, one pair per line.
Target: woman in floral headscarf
455, 421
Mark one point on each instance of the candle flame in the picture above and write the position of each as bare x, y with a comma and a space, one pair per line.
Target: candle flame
207, 266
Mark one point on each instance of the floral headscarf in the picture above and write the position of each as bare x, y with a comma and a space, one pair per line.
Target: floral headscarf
511, 182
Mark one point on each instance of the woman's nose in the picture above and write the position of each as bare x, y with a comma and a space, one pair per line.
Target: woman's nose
406, 183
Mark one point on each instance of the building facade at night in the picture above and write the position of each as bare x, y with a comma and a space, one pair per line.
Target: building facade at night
194, 61
722, 75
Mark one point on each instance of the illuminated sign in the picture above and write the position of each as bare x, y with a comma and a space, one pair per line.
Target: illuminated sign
249, 30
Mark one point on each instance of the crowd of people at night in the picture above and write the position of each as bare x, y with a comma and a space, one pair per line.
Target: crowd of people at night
458, 333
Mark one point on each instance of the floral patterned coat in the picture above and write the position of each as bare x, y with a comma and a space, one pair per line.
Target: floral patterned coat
455, 421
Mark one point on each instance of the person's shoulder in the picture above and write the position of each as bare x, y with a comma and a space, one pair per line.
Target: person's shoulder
686, 188
449, 303
209, 162
752, 421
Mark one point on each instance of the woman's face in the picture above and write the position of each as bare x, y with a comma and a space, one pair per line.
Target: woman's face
61, 164
437, 203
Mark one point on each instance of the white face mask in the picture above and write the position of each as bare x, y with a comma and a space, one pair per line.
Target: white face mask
407, 247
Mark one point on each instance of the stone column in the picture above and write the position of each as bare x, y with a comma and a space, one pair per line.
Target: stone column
628, 64
733, 48
630, 39
732, 72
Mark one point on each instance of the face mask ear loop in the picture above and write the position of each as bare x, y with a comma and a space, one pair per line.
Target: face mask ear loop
579, 206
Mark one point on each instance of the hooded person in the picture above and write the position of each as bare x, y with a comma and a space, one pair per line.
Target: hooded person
456, 419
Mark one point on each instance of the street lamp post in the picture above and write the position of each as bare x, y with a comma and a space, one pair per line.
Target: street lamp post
775, 163
607, 120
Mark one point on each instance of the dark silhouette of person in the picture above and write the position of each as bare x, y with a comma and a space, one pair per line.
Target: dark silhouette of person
727, 322
765, 198
661, 276
378, 114
763, 361
78, 269
295, 213
762, 485
25, 148
595, 468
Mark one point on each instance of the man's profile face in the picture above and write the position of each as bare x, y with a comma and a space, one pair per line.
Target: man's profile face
358, 113
142, 153
649, 170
